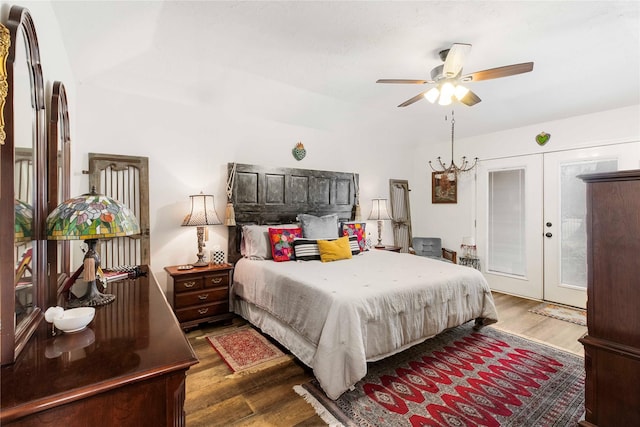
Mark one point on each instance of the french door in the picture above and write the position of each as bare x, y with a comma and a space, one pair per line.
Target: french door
565, 236
531, 216
509, 224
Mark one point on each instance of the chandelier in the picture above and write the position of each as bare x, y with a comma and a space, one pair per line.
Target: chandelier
453, 168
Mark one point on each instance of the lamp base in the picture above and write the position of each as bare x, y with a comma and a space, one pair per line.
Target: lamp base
201, 262
92, 297
379, 246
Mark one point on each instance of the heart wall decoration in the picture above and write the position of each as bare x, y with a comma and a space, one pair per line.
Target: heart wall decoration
542, 138
299, 151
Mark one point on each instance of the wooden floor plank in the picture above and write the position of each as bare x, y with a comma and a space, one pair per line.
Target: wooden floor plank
215, 397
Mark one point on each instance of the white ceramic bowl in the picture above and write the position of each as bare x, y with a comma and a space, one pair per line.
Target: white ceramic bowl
75, 319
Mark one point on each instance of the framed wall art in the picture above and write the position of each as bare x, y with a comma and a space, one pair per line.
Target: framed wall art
444, 187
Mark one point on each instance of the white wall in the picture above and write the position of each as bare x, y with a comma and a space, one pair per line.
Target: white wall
452, 222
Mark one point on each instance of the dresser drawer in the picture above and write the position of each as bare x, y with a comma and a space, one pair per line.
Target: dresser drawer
188, 283
204, 296
215, 280
202, 311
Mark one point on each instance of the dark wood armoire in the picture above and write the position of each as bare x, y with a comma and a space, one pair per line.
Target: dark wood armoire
612, 342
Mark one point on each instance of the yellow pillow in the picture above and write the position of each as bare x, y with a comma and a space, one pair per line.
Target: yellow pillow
334, 250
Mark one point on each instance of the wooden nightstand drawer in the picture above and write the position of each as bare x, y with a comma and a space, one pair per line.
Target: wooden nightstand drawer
204, 296
188, 284
216, 280
202, 311
201, 294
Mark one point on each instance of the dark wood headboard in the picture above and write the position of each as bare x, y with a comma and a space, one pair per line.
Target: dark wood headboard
267, 195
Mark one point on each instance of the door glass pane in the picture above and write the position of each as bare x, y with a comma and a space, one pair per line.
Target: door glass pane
506, 240
573, 211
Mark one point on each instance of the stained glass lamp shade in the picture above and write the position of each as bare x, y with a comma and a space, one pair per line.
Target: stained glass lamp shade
203, 213
23, 221
91, 217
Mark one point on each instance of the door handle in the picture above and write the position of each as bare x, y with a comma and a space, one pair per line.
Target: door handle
548, 234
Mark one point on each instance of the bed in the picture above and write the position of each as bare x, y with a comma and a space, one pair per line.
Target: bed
337, 316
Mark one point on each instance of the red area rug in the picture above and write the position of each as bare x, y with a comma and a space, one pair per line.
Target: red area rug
462, 378
244, 348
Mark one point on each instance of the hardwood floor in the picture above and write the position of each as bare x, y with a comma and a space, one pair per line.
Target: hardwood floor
215, 397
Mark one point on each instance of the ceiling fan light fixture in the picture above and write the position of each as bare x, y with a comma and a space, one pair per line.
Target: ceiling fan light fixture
432, 94
447, 77
460, 92
446, 92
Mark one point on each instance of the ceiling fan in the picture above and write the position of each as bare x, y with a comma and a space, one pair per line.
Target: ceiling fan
448, 78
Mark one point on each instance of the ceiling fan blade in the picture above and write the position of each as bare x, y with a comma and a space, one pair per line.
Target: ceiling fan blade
455, 58
418, 97
470, 99
495, 73
404, 81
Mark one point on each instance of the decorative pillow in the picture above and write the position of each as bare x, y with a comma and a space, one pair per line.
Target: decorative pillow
323, 227
307, 249
334, 250
282, 242
354, 245
355, 229
255, 243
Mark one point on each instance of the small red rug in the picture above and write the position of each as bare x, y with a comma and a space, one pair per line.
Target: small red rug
562, 312
462, 378
244, 348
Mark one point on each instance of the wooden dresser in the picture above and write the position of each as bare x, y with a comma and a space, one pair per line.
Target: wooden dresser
201, 294
612, 343
126, 369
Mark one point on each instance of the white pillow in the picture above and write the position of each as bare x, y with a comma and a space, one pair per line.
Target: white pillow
255, 242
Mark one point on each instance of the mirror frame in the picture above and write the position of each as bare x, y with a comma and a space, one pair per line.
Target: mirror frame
14, 337
59, 166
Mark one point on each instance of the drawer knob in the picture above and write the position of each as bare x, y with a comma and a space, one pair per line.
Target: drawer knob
189, 284
203, 310
203, 297
216, 280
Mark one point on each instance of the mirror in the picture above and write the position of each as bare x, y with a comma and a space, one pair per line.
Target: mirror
59, 257
23, 186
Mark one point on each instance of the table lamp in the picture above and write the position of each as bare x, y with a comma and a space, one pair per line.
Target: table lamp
379, 213
23, 221
203, 213
91, 217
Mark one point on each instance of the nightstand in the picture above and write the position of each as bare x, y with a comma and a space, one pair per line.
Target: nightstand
390, 248
201, 294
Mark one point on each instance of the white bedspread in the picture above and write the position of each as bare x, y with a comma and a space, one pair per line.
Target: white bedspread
365, 308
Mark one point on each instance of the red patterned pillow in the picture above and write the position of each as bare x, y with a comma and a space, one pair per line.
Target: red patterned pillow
282, 242
356, 229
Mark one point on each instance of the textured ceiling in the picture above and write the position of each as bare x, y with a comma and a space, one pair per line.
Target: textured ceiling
315, 63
